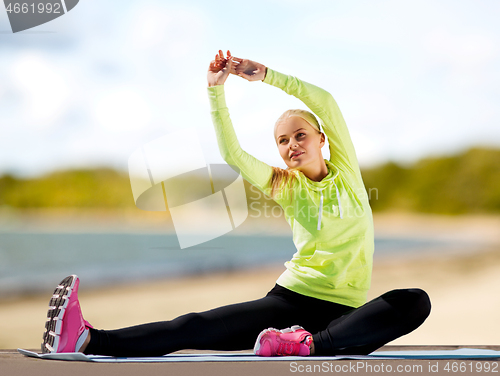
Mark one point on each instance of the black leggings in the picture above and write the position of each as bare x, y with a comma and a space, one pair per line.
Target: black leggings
337, 329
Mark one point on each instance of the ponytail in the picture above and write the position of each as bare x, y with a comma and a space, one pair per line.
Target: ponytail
279, 179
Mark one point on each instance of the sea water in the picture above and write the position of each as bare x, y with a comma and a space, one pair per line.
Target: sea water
33, 262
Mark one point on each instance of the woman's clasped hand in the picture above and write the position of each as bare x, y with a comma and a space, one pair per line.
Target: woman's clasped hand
221, 67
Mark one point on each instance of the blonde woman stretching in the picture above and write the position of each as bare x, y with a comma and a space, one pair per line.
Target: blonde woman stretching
321, 296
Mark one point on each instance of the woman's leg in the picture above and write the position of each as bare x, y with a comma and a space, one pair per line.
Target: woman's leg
233, 327
365, 329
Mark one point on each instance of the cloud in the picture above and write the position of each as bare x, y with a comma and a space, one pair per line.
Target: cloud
122, 109
43, 89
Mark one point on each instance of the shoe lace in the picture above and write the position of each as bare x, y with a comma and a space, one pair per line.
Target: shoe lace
288, 348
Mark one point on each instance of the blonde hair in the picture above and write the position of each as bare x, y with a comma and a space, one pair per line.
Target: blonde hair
306, 115
281, 176
285, 176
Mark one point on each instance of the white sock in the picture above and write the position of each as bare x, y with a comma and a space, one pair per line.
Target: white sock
81, 340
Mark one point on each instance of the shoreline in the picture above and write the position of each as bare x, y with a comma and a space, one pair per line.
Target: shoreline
138, 221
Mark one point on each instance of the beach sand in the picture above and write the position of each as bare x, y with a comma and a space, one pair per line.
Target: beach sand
463, 287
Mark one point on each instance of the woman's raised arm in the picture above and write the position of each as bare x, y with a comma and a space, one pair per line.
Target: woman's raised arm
319, 101
253, 170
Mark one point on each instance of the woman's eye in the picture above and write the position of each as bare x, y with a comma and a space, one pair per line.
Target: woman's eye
303, 134
281, 141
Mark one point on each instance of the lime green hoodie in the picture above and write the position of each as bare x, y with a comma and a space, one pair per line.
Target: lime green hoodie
331, 220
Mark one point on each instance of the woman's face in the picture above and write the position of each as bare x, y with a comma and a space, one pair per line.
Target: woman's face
299, 143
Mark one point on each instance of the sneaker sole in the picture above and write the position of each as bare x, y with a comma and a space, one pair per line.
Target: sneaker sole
55, 314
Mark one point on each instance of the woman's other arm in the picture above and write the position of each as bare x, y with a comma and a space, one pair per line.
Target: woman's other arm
253, 170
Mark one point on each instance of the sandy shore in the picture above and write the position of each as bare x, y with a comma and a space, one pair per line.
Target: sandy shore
463, 287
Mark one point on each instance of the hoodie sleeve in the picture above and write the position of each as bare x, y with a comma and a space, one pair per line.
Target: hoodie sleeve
319, 101
253, 170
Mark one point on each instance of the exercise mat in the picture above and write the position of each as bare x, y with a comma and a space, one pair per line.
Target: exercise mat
464, 353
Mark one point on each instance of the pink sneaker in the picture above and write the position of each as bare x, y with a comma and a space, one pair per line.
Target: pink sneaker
65, 329
286, 342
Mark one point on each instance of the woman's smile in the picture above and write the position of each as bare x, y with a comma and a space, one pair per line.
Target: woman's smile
296, 154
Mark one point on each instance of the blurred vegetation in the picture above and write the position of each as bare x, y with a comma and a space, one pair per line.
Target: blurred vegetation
459, 184
105, 188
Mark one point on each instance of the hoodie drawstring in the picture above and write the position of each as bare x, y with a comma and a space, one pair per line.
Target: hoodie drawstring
322, 198
338, 199
320, 210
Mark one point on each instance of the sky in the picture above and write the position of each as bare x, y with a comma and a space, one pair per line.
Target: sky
412, 78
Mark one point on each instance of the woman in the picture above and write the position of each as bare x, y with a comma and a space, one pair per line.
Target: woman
325, 284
